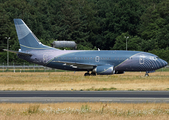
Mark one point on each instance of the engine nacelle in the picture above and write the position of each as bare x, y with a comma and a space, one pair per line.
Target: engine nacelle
104, 70
119, 72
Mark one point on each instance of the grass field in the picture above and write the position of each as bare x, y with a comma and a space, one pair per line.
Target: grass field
84, 111
76, 81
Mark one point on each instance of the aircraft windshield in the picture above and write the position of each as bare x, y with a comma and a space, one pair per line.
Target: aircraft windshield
155, 58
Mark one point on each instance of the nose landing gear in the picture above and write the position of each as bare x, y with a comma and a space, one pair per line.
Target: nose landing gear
146, 74
149, 72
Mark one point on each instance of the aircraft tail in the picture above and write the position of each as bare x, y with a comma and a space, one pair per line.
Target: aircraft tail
27, 40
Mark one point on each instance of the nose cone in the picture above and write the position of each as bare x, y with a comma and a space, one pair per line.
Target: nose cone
164, 63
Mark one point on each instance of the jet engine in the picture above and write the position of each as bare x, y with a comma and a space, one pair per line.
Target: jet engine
104, 70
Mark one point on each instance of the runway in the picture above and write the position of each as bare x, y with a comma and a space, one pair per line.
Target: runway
84, 96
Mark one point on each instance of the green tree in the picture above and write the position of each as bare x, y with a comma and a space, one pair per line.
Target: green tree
72, 23
154, 25
120, 43
162, 53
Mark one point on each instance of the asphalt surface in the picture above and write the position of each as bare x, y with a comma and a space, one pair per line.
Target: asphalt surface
84, 96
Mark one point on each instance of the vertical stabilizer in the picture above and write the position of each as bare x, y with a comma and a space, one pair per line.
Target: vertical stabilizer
27, 40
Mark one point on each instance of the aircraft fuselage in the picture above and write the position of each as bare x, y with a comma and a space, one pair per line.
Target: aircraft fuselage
120, 60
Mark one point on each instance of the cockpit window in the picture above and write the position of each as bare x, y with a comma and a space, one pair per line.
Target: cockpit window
156, 58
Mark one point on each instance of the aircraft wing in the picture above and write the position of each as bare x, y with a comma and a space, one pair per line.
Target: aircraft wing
16, 52
78, 65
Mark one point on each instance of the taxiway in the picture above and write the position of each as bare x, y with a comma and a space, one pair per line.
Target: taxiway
84, 96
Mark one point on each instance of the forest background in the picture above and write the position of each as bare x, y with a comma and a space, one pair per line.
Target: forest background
91, 24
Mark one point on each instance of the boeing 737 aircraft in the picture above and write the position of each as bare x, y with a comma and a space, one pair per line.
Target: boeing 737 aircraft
95, 62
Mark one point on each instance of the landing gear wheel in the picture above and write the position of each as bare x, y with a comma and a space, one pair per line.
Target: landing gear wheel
86, 74
93, 74
146, 74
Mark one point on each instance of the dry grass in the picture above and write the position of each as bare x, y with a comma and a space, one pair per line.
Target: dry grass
83, 111
76, 81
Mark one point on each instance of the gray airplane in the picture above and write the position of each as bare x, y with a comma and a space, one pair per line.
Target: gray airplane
95, 62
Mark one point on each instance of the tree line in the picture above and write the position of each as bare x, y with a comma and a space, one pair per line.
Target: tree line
92, 24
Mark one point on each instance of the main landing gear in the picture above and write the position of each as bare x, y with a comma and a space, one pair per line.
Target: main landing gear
88, 74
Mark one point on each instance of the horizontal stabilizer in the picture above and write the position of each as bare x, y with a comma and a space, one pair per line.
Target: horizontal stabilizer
16, 52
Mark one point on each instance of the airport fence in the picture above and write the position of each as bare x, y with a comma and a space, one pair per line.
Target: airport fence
25, 68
